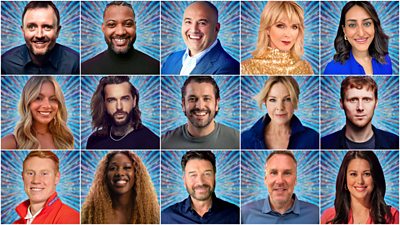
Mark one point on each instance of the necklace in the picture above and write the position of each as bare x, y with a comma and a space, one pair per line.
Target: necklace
112, 138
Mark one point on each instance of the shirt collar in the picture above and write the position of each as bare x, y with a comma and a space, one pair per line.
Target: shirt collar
29, 217
53, 58
295, 207
199, 56
187, 205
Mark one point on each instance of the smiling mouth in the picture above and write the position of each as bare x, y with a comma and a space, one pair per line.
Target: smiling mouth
361, 40
120, 41
286, 42
360, 189
120, 182
35, 189
194, 36
46, 113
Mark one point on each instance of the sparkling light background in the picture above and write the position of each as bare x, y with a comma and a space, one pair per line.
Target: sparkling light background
227, 177
171, 23
330, 164
91, 159
149, 102
253, 174
308, 106
12, 186
147, 28
388, 12
171, 102
11, 89
11, 20
386, 116
251, 12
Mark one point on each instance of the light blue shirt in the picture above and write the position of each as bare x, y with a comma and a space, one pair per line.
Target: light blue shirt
190, 62
260, 212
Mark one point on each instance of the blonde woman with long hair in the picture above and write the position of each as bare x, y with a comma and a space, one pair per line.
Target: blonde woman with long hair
43, 118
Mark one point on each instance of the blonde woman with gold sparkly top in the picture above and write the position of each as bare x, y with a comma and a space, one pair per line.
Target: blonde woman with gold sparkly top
280, 43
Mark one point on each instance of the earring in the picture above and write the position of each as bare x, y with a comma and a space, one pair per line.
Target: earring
345, 38
345, 187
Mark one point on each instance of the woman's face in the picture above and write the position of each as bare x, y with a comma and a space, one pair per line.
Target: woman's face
359, 29
279, 104
283, 34
45, 107
359, 180
120, 174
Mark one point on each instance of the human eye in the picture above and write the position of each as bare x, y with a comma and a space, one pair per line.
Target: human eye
188, 22
126, 98
129, 23
112, 168
191, 99
353, 174
48, 27
295, 27
288, 99
110, 100
31, 26
367, 24
352, 25
29, 173
367, 174
271, 100
111, 25
44, 173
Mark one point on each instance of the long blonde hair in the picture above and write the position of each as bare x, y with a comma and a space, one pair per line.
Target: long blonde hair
272, 13
24, 132
97, 208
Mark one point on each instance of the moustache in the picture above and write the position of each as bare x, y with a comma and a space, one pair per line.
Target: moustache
200, 110
201, 186
41, 39
120, 112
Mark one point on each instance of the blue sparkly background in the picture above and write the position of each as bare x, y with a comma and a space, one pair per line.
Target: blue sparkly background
227, 177
149, 102
330, 164
171, 102
12, 186
388, 13
90, 160
253, 174
147, 15
171, 23
11, 93
11, 20
251, 12
308, 106
386, 115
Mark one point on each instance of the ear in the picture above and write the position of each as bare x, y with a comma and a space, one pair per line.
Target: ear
265, 179
217, 105
134, 102
22, 29
183, 105
103, 27
58, 31
341, 103
22, 175
58, 176
217, 27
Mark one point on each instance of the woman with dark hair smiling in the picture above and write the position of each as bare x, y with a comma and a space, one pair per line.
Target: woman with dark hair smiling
360, 192
361, 45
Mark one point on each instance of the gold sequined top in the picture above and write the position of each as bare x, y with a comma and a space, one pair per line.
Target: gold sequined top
276, 62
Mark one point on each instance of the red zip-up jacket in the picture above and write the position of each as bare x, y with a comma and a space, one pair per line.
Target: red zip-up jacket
53, 212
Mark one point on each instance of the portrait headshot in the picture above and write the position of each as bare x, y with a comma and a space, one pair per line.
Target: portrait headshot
268, 106
189, 109
362, 39
211, 180
48, 40
120, 112
287, 40
360, 187
40, 187
200, 37
367, 107
120, 187
40, 112
120, 37
280, 187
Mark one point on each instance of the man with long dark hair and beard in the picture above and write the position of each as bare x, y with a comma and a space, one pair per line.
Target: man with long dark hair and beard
116, 117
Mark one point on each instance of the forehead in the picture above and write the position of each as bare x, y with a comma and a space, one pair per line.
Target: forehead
198, 164
278, 89
199, 10
40, 15
37, 163
116, 12
281, 162
288, 19
195, 88
47, 87
121, 89
357, 12
355, 92
120, 158
358, 164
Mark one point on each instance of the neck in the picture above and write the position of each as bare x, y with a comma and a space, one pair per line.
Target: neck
360, 209
202, 131
201, 207
282, 207
357, 134
36, 207
123, 201
273, 128
38, 60
121, 130
362, 55
41, 128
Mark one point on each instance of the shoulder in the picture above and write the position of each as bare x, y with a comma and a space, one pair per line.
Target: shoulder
227, 205
170, 214
328, 215
68, 52
145, 57
228, 130
9, 142
258, 204
12, 52
306, 67
331, 140
171, 135
395, 215
68, 215
333, 66
174, 55
310, 206
386, 133
95, 59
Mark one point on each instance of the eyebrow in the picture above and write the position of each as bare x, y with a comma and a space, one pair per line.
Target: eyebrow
353, 20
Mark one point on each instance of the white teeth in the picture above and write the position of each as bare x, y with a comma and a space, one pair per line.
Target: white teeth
200, 113
120, 40
194, 37
36, 189
121, 182
45, 113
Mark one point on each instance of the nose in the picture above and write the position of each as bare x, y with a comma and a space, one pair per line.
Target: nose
200, 104
46, 103
120, 30
360, 106
194, 27
279, 179
360, 179
360, 30
39, 33
119, 105
280, 105
35, 179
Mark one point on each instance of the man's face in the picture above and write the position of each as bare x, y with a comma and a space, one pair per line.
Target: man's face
199, 104
40, 30
199, 27
40, 179
119, 102
199, 179
119, 28
359, 106
280, 178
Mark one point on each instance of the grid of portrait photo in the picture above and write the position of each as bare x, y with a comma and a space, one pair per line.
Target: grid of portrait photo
207, 112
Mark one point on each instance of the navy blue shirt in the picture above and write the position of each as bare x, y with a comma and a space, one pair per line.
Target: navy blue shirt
351, 66
301, 137
260, 212
61, 60
221, 212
